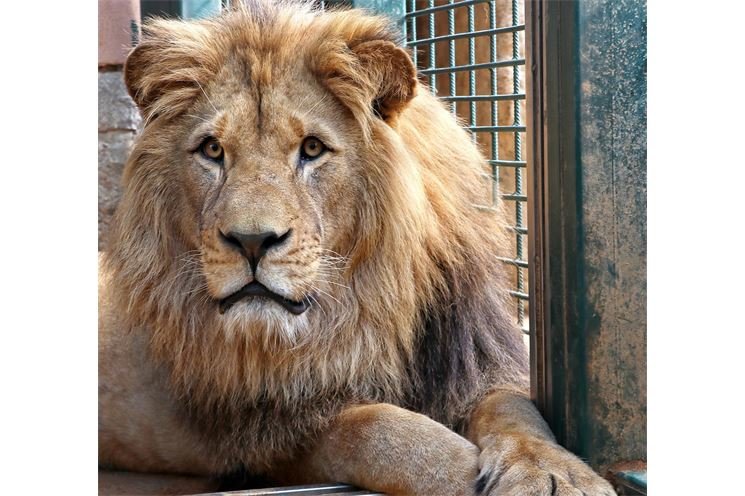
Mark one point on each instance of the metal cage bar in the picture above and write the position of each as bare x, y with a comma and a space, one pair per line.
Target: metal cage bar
520, 204
465, 3
472, 67
494, 90
452, 36
474, 34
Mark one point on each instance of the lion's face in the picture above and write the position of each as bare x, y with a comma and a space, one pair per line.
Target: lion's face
258, 148
269, 177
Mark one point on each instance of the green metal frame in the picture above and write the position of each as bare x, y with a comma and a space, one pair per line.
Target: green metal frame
393, 8
587, 129
186, 9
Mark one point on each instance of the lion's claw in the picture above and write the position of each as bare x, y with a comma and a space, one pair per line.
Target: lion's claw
526, 466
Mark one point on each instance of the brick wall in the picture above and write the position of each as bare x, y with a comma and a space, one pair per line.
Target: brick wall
118, 122
118, 119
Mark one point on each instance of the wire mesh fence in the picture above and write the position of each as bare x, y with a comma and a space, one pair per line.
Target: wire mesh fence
470, 54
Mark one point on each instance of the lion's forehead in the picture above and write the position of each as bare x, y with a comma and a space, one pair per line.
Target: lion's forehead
277, 115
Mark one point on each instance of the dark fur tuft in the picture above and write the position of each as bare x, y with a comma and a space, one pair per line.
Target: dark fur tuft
481, 482
468, 344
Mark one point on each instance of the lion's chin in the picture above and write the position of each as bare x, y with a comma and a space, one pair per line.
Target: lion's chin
262, 316
255, 289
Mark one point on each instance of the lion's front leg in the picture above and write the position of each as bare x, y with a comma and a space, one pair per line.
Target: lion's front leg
519, 455
384, 448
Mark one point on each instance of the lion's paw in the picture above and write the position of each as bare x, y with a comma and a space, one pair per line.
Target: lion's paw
527, 466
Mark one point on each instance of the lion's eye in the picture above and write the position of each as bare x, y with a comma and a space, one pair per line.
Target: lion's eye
212, 149
311, 149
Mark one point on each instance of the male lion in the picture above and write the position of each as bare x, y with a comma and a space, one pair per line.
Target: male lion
297, 283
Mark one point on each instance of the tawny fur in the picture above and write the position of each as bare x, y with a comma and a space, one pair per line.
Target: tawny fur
409, 297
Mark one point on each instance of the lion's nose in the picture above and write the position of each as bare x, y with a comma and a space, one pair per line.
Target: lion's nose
253, 246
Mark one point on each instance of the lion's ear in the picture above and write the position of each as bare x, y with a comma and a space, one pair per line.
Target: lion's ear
164, 73
391, 74
368, 74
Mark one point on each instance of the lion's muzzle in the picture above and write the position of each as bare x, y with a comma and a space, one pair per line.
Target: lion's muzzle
253, 246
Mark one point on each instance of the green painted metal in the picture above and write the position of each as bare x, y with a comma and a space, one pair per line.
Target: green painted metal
589, 120
467, 34
483, 98
519, 195
433, 49
629, 478
198, 9
160, 8
496, 129
393, 8
451, 37
612, 102
638, 478
186, 9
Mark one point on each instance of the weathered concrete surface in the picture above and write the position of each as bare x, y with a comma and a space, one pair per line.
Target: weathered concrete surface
589, 218
612, 102
118, 123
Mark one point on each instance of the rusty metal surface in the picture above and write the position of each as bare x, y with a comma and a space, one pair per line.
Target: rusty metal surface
588, 219
612, 102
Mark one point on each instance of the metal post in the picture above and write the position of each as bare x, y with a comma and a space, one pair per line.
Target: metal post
587, 218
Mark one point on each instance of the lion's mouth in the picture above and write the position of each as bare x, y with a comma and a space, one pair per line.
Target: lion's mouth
255, 288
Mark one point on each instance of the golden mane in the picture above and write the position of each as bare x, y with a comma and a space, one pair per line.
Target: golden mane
421, 319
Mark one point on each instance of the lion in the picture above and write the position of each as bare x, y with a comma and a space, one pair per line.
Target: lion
297, 284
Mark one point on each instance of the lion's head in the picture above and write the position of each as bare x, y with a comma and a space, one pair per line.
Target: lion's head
257, 137
299, 210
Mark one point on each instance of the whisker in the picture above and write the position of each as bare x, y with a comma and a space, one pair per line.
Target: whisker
318, 304
207, 97
335, 284
319, 290
319, 102
198, 117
